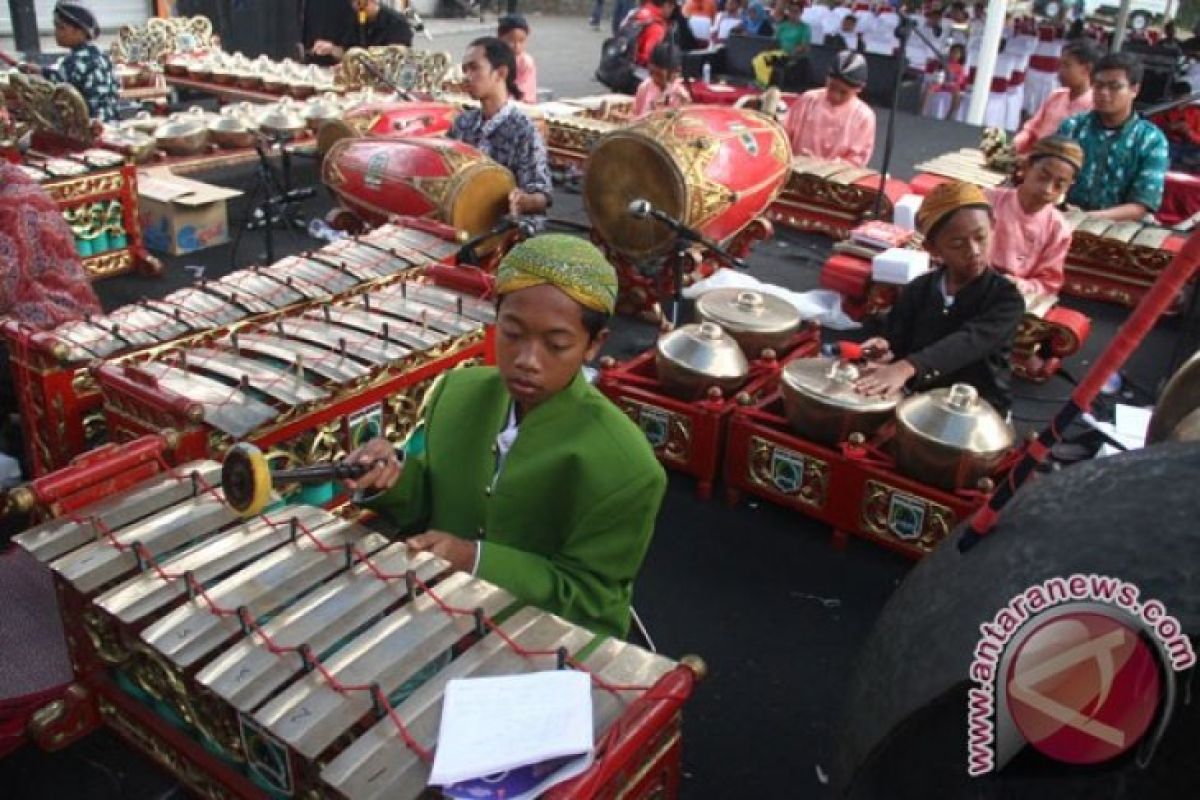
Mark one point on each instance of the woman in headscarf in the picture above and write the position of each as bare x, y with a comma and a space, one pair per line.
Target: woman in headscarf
86, 66
524, 474
756, 21
954, 324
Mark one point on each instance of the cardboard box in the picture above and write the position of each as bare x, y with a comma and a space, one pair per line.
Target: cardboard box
179, 215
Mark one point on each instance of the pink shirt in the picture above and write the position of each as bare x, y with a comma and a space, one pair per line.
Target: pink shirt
1031, 248
1057, 107
842, 133
649, 97
527, 78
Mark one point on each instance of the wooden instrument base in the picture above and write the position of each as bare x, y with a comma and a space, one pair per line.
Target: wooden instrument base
826, 206
854, 488
179, 709
689, 436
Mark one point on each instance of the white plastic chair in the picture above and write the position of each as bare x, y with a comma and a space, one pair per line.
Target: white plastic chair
814, 17
1041, 78
995, 114
1016, 89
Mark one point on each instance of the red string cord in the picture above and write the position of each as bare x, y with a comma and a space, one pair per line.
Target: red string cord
309, 660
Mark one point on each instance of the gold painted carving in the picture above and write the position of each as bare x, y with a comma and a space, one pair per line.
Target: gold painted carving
795, 476
105, 638
102, 183
1116, 256
879, 516
214, 720
56, 108
157, 748
412, 70
159, 37
670, 434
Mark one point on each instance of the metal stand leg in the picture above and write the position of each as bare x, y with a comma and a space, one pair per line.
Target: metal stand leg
272, 202
640, 627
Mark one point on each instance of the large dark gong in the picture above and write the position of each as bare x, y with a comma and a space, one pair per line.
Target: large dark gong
1135, 517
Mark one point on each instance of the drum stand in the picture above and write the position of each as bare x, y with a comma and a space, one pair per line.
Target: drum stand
685, 238
272, 201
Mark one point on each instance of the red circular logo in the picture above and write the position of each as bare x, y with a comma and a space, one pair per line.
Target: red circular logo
1083, 687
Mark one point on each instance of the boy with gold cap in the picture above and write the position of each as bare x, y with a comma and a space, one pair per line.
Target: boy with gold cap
523, 473
954, 324
1030, 237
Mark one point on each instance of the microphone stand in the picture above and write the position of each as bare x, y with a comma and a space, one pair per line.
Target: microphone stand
278, 199
467, 255
683, 233
905, 27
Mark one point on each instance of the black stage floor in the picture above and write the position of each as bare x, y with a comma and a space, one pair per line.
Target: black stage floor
758, 591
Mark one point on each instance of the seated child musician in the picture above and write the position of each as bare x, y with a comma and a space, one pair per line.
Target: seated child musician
955, 324
1030, 237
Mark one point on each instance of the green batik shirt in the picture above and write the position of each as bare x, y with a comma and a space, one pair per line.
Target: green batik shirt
1121, 165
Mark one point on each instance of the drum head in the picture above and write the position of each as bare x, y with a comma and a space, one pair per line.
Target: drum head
332, 132
479, 197
627, 166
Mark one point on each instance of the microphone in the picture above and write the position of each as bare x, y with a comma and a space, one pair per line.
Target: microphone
362, 12
467, 254
641, 208
418, 24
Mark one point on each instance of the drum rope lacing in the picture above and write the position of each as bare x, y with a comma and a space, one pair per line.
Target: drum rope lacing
251, 627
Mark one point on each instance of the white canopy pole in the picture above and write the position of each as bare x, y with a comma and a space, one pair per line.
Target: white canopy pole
993, 28
1120, 26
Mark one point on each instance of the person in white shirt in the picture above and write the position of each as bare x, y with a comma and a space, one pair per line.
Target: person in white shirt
726, 21
814, 17
847, 38
833, 20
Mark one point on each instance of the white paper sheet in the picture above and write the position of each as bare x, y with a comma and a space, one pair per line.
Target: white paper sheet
490, 725
1128, 427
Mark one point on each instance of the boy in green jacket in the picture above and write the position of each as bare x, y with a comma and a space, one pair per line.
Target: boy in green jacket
524, 474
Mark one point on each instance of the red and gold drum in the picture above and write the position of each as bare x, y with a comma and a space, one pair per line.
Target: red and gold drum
392, 118
714, 168
420, 177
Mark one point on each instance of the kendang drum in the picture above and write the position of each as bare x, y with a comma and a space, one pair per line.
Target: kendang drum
421, 177
715, 169
395, 118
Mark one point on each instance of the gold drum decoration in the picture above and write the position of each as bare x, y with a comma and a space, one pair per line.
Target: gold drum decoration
714, 168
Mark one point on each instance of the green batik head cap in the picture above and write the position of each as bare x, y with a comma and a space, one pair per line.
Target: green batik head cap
572, 264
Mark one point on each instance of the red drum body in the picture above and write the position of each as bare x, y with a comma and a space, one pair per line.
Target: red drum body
403, 119
397, 118
714, 168
421, 177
